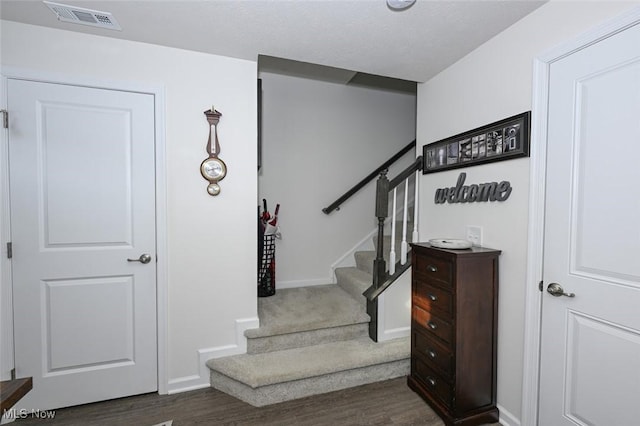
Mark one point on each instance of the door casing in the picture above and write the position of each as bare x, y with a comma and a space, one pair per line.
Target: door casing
537, 194
160, 191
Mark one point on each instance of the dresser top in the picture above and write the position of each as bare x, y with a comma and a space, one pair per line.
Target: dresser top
462, 252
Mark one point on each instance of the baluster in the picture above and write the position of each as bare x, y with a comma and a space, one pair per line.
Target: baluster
414, 236
403, 245
392, 253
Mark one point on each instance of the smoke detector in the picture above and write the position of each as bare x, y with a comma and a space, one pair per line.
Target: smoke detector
80, 15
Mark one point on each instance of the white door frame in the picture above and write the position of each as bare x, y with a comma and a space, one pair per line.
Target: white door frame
160, 190
537, 193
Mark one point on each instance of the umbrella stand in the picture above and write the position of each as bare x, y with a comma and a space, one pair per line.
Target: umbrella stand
267, 271
267, 234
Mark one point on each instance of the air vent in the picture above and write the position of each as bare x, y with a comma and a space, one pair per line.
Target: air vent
79, 15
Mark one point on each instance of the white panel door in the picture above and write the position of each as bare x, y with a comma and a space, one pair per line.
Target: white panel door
590, 360
82, 202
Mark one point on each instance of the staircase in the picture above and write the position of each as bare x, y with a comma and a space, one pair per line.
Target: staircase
312, 340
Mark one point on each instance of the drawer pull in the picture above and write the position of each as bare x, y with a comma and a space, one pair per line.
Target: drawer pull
433, 297
432, 354
431, 381
432, 268
432, 325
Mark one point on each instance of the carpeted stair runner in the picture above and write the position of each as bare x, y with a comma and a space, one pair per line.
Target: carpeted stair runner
312, 340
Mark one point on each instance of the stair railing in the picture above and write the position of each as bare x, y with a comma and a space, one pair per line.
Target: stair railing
381, 278
371, 176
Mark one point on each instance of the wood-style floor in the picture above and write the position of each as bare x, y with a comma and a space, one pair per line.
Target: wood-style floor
384, 403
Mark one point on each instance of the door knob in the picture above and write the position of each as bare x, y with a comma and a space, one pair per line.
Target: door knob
144, 258
556, 290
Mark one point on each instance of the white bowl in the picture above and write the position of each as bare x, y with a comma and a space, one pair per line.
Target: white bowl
450, 243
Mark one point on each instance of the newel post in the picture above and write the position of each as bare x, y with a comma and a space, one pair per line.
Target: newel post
379, 264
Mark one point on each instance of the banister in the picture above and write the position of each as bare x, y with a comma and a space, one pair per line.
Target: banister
381, 280
357, 187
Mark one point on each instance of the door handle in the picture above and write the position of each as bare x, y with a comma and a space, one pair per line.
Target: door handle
556, 290
144, 258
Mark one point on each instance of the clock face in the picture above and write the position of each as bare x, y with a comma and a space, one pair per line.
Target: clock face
213, 169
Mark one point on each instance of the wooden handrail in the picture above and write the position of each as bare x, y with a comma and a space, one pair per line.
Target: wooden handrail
357, 187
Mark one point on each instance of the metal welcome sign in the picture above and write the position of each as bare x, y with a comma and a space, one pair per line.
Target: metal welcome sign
461, 193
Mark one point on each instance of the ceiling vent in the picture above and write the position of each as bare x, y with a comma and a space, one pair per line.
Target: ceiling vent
80, 15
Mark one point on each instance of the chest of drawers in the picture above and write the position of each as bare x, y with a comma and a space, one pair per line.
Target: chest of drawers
454, 332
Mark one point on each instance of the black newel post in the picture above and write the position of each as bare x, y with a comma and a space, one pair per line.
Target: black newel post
379, 264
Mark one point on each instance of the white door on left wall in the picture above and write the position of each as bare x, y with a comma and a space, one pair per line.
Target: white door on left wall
82, 195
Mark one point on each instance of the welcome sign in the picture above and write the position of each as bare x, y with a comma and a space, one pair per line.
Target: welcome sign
461, 193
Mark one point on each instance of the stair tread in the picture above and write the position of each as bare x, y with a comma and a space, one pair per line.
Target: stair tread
295, 364
357, 276
307, 308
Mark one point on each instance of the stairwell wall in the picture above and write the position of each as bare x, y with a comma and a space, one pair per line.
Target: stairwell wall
489, 84
319, 139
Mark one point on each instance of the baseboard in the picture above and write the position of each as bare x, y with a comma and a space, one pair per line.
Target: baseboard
506, 418
395, 333
348, 258
304, 283
201, 380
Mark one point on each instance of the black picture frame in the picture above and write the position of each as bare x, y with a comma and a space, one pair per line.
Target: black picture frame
502, 140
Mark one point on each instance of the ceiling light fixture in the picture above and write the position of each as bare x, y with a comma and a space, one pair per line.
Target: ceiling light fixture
400, 4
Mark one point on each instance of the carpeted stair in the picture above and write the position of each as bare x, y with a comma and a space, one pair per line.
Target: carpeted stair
311, 340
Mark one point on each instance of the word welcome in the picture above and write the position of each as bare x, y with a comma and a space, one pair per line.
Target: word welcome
491, 191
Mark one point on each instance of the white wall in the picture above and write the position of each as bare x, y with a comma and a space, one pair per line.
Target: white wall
491, 83
318, 140
211, 240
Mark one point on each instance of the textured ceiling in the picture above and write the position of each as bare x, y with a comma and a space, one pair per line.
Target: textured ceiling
359, 35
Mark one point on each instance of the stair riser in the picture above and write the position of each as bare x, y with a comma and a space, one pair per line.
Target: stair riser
287, 391
307, 338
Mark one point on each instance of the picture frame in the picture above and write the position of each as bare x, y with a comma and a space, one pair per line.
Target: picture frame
503, 140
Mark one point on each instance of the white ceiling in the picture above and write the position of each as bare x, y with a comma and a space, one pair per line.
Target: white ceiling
359, 35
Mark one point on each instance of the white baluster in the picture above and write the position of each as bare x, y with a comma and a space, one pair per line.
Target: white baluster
392, 253
403, 246
414, 237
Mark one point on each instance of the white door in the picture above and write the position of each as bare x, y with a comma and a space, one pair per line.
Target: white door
590, 356
82, 184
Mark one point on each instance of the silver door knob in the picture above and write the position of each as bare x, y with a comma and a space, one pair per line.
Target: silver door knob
556, 290
144, 258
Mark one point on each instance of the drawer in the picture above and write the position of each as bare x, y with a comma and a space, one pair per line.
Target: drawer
436, 385
433, 353
430, 297
434, 268
432, 324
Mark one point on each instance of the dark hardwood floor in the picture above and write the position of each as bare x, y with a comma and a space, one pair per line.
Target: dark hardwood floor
384, 403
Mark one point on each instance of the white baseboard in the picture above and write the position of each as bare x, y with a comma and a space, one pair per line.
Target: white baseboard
348, 258
395, 333
305, 283
506, 418
201, 380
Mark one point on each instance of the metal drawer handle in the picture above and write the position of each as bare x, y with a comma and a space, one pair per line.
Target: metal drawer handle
433, 297
432, 268
432, 354
431, 381
432, 325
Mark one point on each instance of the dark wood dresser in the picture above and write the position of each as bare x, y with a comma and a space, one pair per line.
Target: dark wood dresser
454, 322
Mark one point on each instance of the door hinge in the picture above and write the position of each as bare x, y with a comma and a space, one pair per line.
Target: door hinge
13, 374
9, 250
5, 118
540, 285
